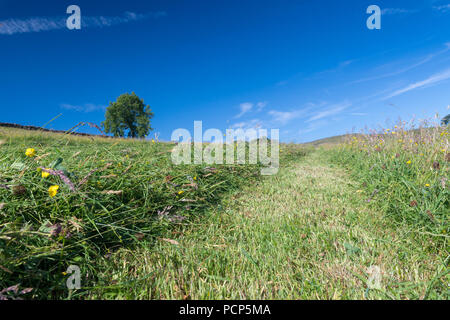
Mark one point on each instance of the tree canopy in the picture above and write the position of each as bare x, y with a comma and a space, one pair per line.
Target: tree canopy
445, 120
128, 114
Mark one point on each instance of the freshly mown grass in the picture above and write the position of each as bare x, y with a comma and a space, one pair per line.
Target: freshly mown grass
140, 227
113, 193
304, 233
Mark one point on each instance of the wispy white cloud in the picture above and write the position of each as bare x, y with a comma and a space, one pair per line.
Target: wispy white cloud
313, 126
252, 124
330, 111
432, 80
87, 107
39, 24
261, 105
392, 11
342, 65
422, 61
13, 26
345, 63
442, 8
284, 117
248, 106
245, 107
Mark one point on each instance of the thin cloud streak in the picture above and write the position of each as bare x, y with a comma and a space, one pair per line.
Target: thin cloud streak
248, 106
40, 24
261, 105
313, 126
392, 11
252, 124
443, 8
432, 80
285, 116
333, 110
406, 69
342, 65
245, 107
87, 107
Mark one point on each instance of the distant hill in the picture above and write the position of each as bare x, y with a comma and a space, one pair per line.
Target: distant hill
324, 141
34, 128
331, 140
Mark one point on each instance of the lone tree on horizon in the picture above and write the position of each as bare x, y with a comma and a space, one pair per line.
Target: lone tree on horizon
128, 113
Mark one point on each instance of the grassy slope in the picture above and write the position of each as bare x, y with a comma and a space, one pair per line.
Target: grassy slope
121, 186
331, 140
304, 233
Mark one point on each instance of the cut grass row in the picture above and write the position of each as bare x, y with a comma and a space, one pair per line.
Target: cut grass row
302, 234
312, 231
127, 194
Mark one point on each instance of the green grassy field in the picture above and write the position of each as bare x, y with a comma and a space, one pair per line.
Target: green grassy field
363, 219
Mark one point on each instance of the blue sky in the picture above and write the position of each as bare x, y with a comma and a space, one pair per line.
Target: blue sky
310, 68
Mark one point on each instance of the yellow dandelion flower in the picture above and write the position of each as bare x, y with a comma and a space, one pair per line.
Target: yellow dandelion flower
180, 192
195, 178
427, 185
53, 190
408, 162
30, 152
45, 174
